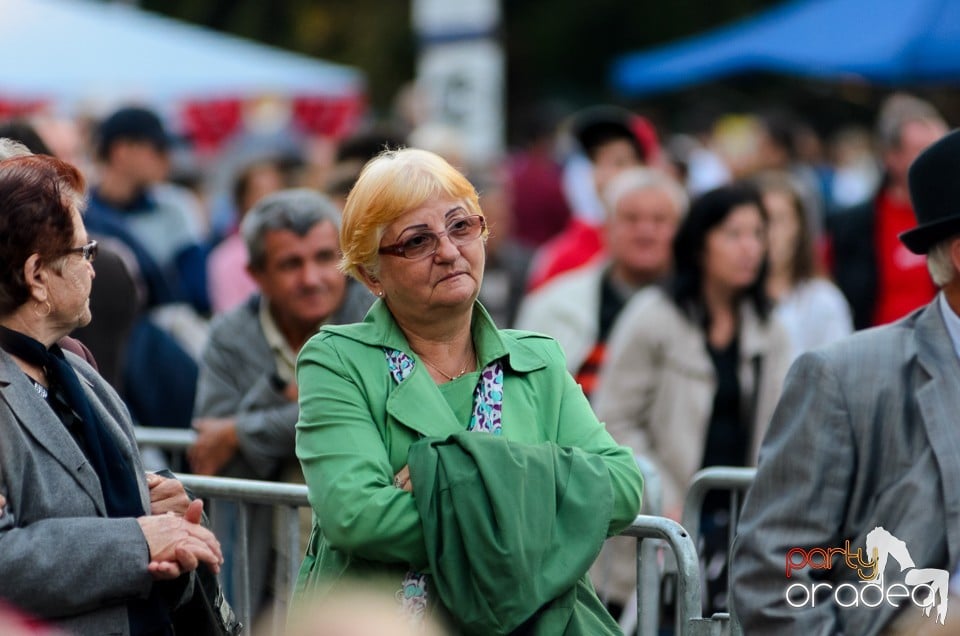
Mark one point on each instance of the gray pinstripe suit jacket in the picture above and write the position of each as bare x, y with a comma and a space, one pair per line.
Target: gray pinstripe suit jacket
866, 434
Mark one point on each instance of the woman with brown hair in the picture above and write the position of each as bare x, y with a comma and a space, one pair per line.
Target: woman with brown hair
810, 307
87, 540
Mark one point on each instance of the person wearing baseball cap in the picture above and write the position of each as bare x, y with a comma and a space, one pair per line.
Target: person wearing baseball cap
613, 140
160, 223
132, 123
865, 437
133, 202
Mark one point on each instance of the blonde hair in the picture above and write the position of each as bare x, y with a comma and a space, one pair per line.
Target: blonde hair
391, 184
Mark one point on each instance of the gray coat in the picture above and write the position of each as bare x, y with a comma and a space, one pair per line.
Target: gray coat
61, 557
235, 381
865, 435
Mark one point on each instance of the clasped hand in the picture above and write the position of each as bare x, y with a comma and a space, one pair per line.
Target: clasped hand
179, 544
177, 541
167, 495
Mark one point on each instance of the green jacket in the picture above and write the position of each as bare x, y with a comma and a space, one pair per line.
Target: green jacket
504, 557
357, 424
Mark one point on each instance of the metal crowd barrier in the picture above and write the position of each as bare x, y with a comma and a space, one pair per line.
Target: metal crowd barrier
286, 498
173, 441
642, 612
690, 620
736, 481
653, 534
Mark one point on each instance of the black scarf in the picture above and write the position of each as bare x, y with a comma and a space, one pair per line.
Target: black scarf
121, 494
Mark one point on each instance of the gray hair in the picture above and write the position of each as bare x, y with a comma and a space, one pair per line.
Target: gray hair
297, 210
10, 148
939, 263
638, 178
897, 111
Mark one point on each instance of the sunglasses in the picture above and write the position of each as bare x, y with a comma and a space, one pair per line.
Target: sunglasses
88, 251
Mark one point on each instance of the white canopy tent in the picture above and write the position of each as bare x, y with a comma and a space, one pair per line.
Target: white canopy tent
73, 50
84, 57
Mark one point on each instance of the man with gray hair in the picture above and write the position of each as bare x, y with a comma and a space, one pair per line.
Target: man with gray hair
865, 442
246, 407
644, 207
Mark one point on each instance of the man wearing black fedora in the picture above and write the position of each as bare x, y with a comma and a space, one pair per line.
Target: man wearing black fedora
866, 436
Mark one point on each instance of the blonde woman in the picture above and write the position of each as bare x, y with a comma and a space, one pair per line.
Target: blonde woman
458, 462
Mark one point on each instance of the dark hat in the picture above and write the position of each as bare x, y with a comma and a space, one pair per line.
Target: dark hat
597, 125
935, 192
132, 123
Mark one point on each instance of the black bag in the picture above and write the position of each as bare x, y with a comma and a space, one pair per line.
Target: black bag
207, 613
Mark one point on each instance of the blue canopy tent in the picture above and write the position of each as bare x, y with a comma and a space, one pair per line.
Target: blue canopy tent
892, 42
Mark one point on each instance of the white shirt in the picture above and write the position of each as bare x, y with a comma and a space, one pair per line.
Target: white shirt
952, 321
284, 357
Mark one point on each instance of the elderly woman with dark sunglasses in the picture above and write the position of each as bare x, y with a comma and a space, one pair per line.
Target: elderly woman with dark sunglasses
87, 540
459, 463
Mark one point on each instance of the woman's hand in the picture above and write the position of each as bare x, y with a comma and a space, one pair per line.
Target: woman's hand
402, 479
179, 544
167, 495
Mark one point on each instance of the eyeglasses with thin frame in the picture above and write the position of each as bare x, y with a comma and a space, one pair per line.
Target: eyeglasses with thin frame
88, 251
422, 244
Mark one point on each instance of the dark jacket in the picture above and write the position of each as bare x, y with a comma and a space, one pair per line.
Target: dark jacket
855, 268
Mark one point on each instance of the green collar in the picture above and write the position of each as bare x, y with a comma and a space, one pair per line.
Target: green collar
380, 329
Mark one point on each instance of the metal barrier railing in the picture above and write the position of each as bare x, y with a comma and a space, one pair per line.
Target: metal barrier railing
642, 613
736, 481
168, 438
690, 620
174, 441
652, 532
287, 498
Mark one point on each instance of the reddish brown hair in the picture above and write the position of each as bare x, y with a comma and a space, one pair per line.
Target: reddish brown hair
37, 196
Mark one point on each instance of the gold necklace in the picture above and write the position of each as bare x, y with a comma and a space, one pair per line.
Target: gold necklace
444, 373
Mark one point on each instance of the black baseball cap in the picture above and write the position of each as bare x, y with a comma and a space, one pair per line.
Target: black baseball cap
132, 123
597, 125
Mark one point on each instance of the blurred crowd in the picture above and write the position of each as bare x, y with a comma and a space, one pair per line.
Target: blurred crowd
711, 258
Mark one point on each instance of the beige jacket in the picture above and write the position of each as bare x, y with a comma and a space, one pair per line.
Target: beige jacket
656, 394
568, 309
